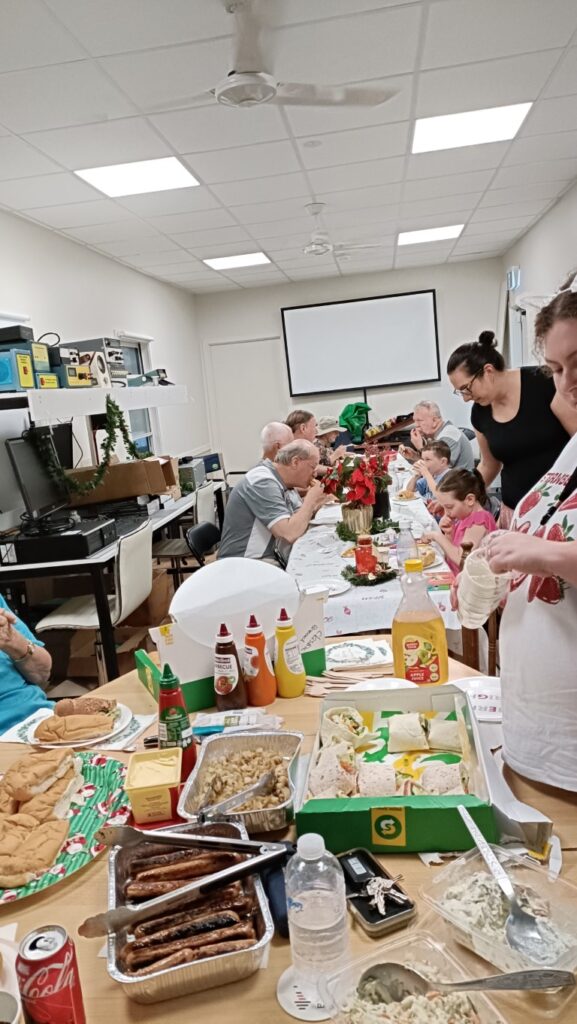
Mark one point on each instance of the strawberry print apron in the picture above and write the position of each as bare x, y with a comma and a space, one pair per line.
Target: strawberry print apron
538, 645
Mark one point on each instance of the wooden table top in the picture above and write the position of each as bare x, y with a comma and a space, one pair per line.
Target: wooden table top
85, 893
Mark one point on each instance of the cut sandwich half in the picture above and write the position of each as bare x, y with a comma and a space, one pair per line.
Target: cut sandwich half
35, 773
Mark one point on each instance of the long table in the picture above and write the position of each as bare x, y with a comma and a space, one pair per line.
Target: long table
253, 1000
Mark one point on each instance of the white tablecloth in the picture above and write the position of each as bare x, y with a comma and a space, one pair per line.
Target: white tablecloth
316, 557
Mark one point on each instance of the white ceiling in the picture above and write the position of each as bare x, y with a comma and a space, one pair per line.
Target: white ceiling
86, 83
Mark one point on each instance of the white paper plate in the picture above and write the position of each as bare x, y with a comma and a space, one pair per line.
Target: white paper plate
123, 719
334, 586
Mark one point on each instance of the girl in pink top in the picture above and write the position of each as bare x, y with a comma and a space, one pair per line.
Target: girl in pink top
462, 495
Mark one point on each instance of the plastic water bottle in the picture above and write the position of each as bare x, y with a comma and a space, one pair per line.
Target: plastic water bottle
406, 544
317, 909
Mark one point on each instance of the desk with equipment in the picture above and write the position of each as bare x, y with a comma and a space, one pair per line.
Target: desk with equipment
57, 541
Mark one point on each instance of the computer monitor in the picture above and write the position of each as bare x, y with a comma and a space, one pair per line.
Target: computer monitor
61, 434
40, 492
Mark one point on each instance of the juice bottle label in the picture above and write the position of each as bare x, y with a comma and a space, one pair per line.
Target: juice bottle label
174, 729
225, 673
292, 656
420, 660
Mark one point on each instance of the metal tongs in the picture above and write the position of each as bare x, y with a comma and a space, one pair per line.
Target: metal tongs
265, 854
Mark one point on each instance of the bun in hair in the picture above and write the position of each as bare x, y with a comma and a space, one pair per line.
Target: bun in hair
487, 339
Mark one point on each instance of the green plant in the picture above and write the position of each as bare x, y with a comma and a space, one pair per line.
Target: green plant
115, 424
377, 526
371, 580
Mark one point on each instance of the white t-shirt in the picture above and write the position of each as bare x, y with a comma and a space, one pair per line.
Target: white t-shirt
538, 644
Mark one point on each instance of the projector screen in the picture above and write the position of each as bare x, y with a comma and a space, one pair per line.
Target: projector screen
363, 343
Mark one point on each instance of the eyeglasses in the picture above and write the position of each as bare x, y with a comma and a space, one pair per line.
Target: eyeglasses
466, 388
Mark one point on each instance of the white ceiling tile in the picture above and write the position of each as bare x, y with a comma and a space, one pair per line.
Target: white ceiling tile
452, 184
384, 199
303, 10
487, 227
178, 200
560, 171
364, 232
97, 145
255, 213
409, 222
372, 172
349, 49
479, 244
172, 258
209, 249
456, 161
356, 268
180, 76
78, 215
492, 83
285, 242
52, 97
560, 146
216, 127
554, 115
161, 269
176, 223
304, 263
379, 142
496, 28
112, 27
133, 246
520, 193
278, 228
317, 121
381, 217
260, 280
468, 257
31, 37
256, 190
19, 160
120, 231
529, 209
440, 205
242, 162
224, 286
564, 80
213, 236
44, 190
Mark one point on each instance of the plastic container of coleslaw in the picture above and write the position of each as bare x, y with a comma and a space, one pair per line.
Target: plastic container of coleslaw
418, 950
466, 923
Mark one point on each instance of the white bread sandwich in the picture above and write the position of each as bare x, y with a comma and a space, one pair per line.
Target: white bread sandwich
36, 772
85, 706
73, 728
55, 802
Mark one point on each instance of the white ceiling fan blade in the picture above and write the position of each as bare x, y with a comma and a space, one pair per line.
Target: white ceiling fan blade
355, 248
305, 95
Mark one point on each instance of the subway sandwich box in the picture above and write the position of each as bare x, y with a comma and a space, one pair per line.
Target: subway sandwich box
155, 475
423, 823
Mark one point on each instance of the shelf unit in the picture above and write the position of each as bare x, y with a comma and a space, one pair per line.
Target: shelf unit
63, 403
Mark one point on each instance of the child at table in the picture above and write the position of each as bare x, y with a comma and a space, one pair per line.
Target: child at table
466, 520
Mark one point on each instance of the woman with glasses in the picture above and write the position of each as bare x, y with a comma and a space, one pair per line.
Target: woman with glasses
521, 422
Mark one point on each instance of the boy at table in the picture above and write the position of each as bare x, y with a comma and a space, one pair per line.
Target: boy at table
434, 464
24, 667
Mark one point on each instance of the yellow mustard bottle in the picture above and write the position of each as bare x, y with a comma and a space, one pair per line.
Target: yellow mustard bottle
419, 635
289, 670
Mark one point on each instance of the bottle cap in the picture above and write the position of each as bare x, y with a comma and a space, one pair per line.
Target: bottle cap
414, 565
284, 618
223, 633
168, 680
311, 846
252, 623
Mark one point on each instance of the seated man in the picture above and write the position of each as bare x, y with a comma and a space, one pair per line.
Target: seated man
274, 437
23, 663
259, 517
430, 426
433, 465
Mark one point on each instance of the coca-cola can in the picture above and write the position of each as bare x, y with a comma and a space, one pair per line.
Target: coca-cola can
48, 978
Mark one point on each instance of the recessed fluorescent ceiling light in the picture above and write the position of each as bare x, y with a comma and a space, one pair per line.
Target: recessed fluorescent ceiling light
249, 259
142, 176
450, 131
430, 234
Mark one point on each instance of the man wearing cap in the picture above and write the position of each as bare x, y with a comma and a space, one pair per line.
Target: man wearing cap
328, 430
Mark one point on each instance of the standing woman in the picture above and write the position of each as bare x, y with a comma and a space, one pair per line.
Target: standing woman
537, 642
522, 423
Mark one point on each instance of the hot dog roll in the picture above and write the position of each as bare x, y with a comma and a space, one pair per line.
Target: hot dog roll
186, 956
190, 926
193, 867
135, 958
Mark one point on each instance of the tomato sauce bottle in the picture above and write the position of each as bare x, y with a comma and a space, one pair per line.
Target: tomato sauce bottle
174, 728
260, 678
229, 684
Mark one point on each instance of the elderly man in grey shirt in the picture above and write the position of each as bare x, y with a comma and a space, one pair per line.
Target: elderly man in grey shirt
259, 519
429, 425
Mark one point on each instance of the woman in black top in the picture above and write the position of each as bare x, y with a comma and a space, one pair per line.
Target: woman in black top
521, 422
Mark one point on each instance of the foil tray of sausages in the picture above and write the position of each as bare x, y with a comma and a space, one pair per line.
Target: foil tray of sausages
218, 939
219, 755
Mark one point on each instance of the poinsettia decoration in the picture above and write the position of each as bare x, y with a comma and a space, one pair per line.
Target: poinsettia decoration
357, 479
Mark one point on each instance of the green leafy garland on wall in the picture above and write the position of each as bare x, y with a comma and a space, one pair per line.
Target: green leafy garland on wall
115, 425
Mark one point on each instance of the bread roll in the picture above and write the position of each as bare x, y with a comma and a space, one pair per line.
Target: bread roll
73, 729
35, 854
84, 706
35, 773
55, 802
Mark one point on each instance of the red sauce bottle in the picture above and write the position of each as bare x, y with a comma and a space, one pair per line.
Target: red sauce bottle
229, 683
174, 728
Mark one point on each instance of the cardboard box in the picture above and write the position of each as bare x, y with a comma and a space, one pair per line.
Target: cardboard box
154, 609
129, 480
403, 824
83, 657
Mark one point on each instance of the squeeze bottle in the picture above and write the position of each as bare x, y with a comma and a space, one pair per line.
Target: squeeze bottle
174, 728
289, 670
258, 673
229, 685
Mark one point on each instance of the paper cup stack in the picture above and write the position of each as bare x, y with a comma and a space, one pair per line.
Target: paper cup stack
480, 591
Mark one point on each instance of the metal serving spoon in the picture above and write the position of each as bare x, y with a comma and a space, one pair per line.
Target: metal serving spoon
523, 930
391, 983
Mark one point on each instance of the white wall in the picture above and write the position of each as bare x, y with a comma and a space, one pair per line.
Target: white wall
468, 300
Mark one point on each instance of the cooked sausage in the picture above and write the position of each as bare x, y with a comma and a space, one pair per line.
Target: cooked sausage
229, 898
143, 863
185, 956
191, 926
188, 867
135, 958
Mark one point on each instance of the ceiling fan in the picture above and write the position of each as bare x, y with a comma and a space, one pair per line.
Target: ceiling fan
320, 243
251, 81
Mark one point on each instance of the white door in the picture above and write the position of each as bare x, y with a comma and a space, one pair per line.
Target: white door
248, 384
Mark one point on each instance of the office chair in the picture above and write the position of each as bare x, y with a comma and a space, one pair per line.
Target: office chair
201, 540
175, 550
132, 585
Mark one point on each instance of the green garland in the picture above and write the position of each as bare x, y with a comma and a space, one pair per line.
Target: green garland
377, 526
371, 580
115, 425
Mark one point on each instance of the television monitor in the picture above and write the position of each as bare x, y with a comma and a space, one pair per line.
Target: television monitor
61, 434
40, 492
